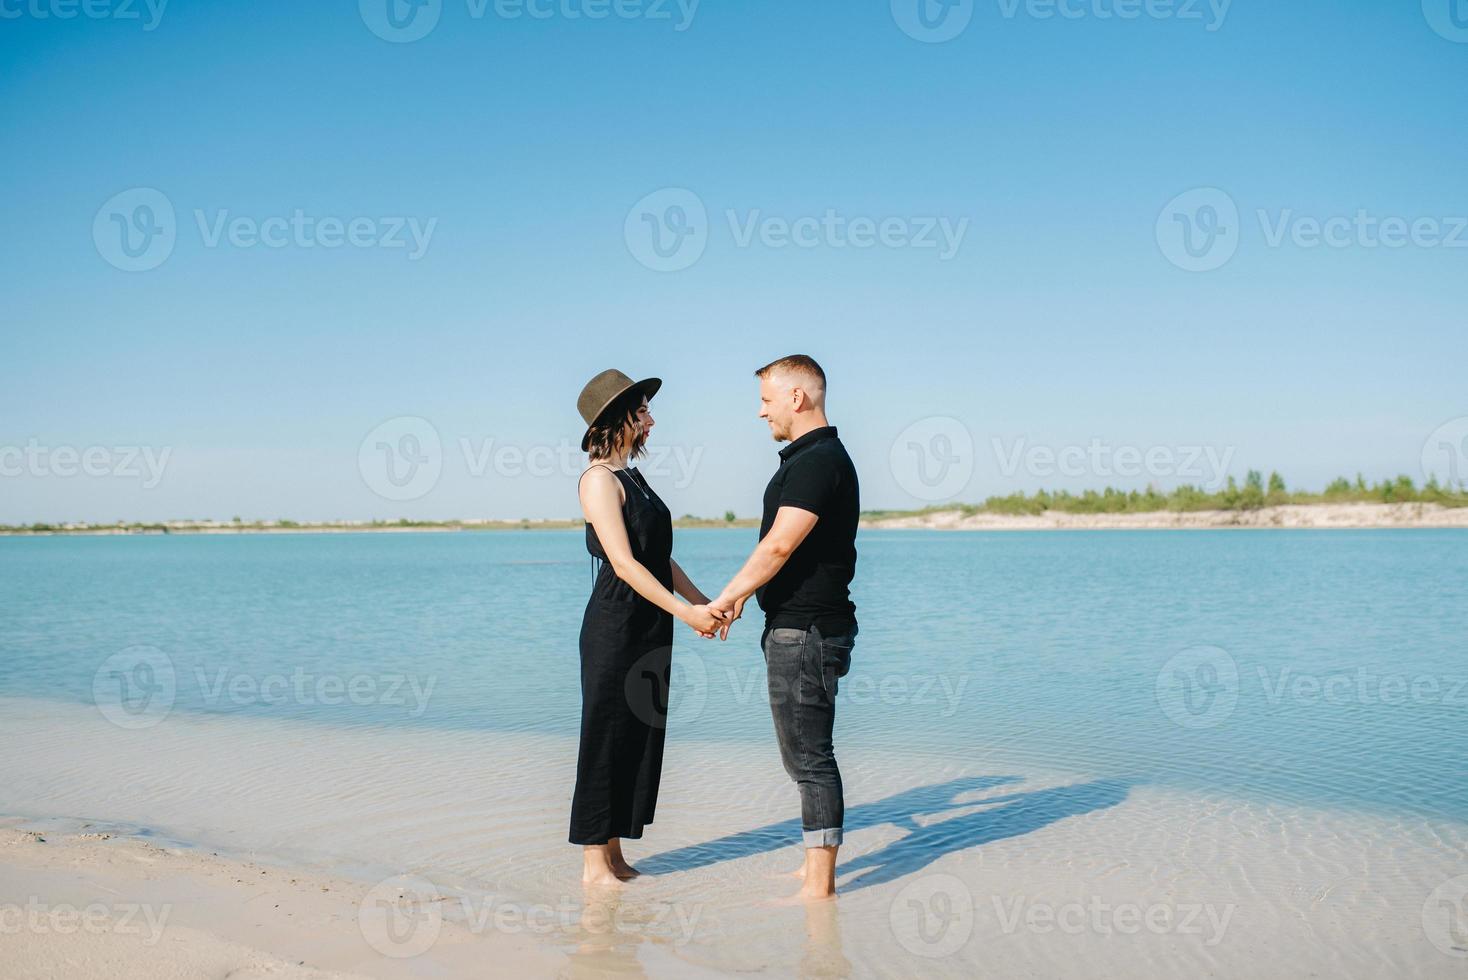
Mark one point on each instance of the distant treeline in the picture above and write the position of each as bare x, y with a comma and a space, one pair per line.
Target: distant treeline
1256, 493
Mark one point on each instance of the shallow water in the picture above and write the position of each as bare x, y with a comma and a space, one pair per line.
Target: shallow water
1267, 728
1318, 667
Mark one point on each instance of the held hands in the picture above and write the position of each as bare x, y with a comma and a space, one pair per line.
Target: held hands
710, 619
728, 608
704, 620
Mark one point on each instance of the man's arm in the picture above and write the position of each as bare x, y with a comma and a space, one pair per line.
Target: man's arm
792, 525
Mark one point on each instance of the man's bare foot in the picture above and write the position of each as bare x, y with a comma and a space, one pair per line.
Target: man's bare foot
804, 897
814, 891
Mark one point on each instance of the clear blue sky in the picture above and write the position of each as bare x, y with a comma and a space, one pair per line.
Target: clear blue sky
1059, 321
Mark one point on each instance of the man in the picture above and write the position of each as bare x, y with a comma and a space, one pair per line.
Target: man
801, 571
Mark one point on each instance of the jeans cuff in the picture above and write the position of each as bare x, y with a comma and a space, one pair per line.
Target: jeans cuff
822, 838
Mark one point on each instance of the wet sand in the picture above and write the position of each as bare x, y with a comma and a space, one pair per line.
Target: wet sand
282, 847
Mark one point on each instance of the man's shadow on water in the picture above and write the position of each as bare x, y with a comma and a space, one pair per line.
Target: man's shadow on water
1011, 815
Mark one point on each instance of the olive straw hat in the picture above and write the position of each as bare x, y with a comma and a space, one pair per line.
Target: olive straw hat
604, 389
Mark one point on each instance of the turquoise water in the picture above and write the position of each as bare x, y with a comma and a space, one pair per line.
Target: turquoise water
1318, 667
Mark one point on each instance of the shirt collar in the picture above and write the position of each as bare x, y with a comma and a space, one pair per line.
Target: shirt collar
810, 438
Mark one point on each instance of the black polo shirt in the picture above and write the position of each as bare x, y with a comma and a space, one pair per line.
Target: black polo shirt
811, 589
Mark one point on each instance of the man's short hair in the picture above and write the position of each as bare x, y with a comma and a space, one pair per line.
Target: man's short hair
795, 363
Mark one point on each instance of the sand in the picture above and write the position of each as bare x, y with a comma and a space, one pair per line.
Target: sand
88, 904
456, 840
1288, 516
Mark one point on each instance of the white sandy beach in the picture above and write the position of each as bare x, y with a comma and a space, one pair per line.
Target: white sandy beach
266, 848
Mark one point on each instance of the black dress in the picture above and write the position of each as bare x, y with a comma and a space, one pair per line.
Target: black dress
626, 654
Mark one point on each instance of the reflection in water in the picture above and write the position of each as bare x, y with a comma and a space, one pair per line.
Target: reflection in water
602, 946
823, 956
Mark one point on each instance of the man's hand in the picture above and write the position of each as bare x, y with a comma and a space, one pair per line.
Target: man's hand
705, 620
730, 608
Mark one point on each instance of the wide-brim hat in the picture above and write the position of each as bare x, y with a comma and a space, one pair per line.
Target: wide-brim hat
601, 391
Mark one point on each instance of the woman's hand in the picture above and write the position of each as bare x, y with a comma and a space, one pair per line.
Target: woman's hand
702, 620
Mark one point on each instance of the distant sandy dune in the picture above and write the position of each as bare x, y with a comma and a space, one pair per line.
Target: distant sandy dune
1289, 515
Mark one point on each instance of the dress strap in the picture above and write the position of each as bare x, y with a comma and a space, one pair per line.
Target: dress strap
615, 472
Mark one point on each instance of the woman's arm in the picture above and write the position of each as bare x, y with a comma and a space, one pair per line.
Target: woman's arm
683, 585
601, 504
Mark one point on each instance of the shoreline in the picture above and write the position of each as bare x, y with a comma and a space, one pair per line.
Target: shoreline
1285, 516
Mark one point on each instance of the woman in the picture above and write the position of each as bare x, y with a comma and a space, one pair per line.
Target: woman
627, 631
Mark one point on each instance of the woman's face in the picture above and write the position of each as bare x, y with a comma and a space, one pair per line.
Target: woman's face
641, 425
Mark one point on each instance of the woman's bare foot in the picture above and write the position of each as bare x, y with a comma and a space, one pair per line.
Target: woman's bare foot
605, 878
619, 864
597, 866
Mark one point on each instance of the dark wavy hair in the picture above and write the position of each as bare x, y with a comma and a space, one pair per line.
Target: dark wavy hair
609, 429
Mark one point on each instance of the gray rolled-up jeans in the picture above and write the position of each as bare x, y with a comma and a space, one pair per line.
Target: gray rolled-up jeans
804, 669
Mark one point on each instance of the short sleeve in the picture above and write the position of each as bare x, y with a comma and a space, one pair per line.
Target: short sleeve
810, 485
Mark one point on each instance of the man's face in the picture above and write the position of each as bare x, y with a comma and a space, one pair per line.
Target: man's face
777, 406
